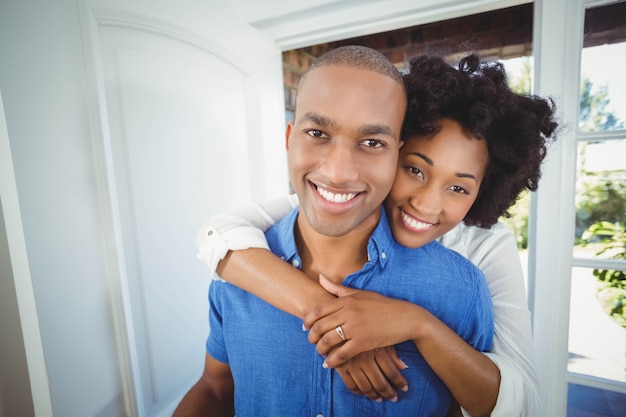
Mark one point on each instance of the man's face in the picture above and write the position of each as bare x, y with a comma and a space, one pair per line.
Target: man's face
343, 146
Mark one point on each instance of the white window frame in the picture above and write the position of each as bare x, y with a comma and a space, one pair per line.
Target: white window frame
558, 41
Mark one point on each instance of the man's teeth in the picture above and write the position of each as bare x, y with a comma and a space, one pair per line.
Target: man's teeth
414, 223
335, 198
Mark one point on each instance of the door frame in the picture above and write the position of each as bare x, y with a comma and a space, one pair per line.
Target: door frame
20, 269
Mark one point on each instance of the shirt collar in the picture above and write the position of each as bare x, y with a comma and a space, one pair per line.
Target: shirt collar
379, 246
381, 242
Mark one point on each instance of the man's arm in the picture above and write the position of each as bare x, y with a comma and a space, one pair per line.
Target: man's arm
212, 395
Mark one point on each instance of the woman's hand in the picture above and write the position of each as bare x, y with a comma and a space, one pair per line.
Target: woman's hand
375, 374
368, 321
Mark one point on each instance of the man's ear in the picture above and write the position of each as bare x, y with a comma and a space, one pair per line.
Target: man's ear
288, 134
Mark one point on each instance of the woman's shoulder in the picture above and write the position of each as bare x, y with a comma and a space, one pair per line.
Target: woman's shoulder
466, 236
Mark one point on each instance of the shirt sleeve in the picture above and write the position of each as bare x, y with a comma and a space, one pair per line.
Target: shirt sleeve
495, 252
215, 345
240, 229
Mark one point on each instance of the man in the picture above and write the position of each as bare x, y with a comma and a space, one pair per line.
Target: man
342, 154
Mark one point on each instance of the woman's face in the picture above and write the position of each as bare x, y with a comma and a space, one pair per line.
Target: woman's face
437, 182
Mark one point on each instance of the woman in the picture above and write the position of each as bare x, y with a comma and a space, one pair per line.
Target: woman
471, 147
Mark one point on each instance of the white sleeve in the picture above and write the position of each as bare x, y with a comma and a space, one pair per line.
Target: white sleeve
240, 229
495, 252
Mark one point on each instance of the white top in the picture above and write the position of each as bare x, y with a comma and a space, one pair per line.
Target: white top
493, 250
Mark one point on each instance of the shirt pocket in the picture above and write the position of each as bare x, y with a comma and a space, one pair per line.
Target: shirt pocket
427, 395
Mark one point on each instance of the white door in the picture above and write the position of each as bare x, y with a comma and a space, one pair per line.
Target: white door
181, 133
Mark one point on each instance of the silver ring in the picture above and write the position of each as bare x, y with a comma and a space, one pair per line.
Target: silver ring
340, 333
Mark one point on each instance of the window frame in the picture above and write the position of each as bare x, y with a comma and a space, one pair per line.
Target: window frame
558, 42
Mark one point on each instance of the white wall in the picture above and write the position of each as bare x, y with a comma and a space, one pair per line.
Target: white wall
43, 85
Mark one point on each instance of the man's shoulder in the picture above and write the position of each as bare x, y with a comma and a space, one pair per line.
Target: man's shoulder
283, 229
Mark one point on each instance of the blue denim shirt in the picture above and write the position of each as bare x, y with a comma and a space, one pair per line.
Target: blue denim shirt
278, 373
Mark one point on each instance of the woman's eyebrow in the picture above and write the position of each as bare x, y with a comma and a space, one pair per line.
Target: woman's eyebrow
424, 157
432, 164
465, 175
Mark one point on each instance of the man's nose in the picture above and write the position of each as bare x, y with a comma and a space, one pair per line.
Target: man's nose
340, 164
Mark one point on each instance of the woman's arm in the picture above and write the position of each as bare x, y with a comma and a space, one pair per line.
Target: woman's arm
495, 252
263, 274
470, 375
472, 378
233, 245
240, 229
222, 244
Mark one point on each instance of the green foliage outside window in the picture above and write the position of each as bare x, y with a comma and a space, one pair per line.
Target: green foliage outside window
600, 196
611, 238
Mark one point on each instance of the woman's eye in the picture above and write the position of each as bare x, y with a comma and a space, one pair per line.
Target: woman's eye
416, 172
458, 189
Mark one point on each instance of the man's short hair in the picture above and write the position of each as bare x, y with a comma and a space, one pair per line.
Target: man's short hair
359, 57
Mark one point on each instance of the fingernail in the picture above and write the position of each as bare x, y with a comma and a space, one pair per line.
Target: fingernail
324, 365
303, 327
379, 400
403, 363
405, 388
394, 399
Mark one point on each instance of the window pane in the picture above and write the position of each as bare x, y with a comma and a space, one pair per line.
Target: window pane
583, 401
600, 197
596, 341
603, 88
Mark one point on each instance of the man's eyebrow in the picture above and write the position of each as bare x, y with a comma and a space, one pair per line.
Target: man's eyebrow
365, 130
317, 119
376, 129
431, 163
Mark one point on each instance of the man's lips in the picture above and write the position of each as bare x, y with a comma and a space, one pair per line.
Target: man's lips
337, 198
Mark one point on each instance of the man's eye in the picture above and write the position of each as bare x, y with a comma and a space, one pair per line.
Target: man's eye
373, 143
315, 133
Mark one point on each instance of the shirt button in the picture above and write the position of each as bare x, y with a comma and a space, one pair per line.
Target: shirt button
209, 233
320, 415
383, 255
296, 263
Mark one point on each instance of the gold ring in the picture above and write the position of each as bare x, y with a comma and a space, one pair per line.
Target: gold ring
340, 333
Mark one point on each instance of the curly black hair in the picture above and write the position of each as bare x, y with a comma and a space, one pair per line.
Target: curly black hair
476, 95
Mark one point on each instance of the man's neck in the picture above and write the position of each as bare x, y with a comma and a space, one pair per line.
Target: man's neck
333, 257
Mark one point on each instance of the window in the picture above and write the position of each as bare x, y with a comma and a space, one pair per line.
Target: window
597, 329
